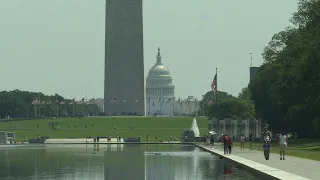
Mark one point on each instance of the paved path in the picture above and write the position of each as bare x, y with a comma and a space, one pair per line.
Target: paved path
291, 168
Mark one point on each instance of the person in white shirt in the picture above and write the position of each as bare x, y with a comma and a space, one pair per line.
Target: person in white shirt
266, 135
283, 142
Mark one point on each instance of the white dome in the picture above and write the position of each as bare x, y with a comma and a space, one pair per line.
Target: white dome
159, 70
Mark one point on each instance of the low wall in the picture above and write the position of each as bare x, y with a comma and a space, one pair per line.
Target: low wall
81, 140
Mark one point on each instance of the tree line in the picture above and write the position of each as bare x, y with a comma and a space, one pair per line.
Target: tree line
286, 89
226, 106
20, 104
285, 92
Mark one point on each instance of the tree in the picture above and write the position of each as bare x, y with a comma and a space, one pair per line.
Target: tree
18, 104
209, 99
245, 94
286, 89
227, 106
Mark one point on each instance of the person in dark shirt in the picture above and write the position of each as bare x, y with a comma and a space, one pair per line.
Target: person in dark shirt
250, 141
212, 141
229, 143
225, 143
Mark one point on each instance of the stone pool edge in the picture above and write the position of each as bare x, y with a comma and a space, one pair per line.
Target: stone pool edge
257, 168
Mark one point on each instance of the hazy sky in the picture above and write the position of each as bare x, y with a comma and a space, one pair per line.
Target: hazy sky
57, 46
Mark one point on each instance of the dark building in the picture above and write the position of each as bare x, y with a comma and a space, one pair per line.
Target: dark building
253, 72
124, 90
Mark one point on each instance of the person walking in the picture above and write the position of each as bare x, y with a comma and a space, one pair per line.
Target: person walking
283, 143
229, 145
250, 140
242, 142
212, 141
225, 143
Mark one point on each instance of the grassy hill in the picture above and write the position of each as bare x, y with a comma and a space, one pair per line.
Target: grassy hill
162, 127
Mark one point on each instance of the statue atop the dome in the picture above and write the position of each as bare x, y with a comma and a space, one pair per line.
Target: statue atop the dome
159, 57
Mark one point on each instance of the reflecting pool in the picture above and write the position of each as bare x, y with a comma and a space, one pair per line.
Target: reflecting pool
112, 162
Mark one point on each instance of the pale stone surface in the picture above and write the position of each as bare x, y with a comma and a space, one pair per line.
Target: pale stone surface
291, 168
159, 89
124, 61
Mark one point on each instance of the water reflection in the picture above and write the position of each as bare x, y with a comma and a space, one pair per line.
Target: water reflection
136, 162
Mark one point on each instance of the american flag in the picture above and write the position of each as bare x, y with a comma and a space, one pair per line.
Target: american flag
214, 84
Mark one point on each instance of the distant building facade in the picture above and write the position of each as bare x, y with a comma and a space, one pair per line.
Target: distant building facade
100, 103
236, 128
159, 90
186, 107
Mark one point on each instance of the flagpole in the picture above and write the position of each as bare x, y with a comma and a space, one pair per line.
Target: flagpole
170, 107
86, 103
149, 107
39, 103
73, 108
217, 99
57, 101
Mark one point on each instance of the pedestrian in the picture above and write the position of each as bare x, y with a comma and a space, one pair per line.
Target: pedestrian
242, 142
283, 143
250, 140
225, 140
212, 141
229, 145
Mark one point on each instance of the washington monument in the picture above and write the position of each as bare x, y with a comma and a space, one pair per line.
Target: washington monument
124, 89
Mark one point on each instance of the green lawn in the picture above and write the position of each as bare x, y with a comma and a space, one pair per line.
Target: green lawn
162, 127
304, 148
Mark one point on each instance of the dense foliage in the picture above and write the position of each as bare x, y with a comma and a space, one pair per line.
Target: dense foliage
286, 89
226, 106
18, 104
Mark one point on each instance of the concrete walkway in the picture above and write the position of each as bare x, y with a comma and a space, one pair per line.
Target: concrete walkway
292, 168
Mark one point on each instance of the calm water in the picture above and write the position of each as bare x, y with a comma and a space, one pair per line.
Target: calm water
114, 162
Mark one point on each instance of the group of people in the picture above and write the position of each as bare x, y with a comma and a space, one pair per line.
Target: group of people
227, 144
282, 142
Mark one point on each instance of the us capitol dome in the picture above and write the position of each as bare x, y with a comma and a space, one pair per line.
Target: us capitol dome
159, 89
